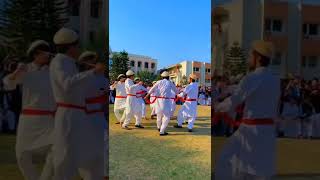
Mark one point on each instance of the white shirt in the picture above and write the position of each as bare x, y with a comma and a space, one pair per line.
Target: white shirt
130, 87
260, 90
191, 91
120, 89
165, 88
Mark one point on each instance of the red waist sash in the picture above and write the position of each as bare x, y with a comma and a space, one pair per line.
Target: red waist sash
72, 106
37, 112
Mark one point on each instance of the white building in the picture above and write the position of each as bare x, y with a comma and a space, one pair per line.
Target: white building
292, 27
142, 63
89, 18
183, 69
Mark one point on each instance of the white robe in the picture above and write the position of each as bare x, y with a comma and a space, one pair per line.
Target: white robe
251, 149
164, 89
34, 131
70, 149
189, 108
96, 121
120, 101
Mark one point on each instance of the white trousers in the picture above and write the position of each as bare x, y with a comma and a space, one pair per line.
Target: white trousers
129, 116
118, 115
143, 110
163, 120
153, 110
181, 118
29, 169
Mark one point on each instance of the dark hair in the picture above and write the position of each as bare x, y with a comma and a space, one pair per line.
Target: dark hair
165, 78
193, 80
264, 61
121, 77
63, 48
36, 50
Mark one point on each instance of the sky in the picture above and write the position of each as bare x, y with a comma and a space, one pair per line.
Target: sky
168, 30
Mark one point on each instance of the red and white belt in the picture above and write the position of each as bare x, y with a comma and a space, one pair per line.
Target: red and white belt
131, 95
100, 100
121, 97
258, 121
71, 106
37, 112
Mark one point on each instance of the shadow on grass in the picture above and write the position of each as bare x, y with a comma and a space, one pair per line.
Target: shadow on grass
199, 129
133, 157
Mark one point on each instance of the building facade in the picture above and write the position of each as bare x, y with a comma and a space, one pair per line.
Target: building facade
181, 71
292, 27
89, 18
139, 63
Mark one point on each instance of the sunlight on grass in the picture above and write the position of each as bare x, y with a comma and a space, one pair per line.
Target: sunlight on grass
143, 153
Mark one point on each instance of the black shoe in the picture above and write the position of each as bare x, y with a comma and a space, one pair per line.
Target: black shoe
126, 128
189, 130
177, 126
164, 134
159, 130
139, 126
117, 122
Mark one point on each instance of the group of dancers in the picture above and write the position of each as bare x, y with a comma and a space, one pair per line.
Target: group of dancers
63, 114
131, 97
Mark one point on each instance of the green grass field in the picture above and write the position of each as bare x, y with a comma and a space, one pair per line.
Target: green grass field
143, 154
296, 159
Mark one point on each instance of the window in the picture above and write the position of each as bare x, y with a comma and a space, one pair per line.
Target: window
310, 29
277, 59
196, 69
277, 26
313, 29
146, 65
139, 63
273, 25
313, 61
305, 29
208, 70
132, 63
95, 8
153, 65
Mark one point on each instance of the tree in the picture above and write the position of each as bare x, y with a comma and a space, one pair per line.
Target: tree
146, 76
119, 64
22, 22
184, 80
235, 62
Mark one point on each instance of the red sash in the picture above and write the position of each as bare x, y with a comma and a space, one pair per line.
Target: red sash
121, 97
191, 100
97, 100
37, 112
262, 121
71, 106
